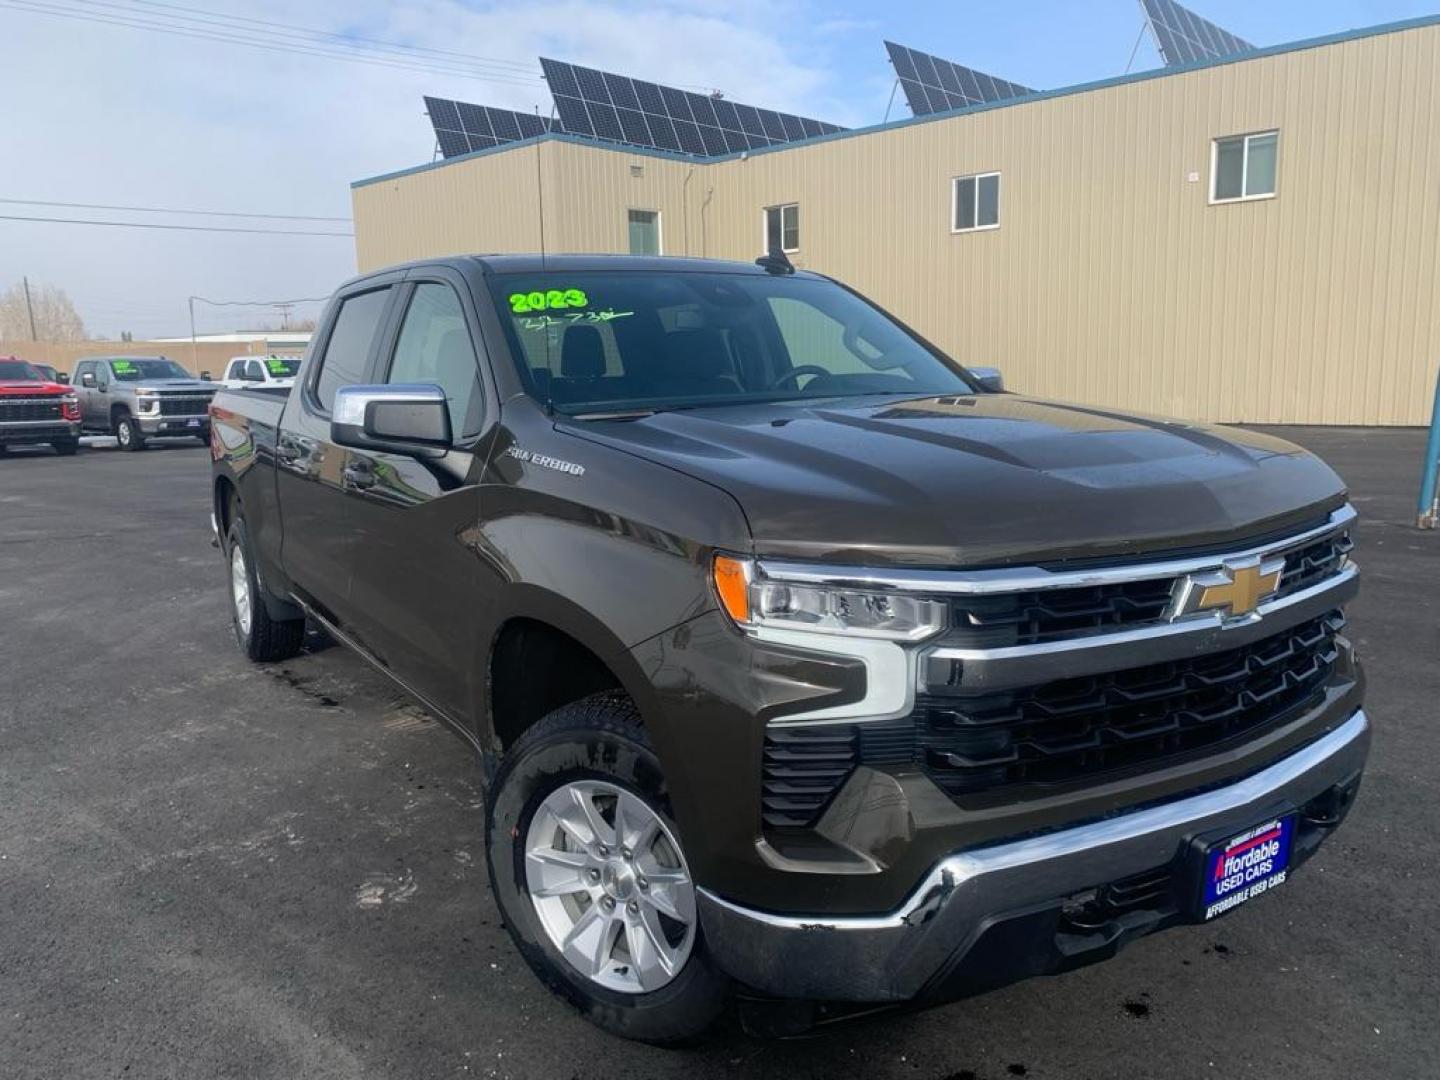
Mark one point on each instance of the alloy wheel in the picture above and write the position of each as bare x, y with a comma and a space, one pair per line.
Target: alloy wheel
610, 886
240, 589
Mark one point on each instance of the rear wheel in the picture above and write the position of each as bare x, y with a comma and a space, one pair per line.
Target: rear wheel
260, 637
128, 433
590, 873
66, 447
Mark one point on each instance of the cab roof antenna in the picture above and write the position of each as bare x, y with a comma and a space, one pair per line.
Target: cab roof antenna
776, 262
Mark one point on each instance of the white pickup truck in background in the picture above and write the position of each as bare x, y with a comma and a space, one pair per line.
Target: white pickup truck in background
244, 371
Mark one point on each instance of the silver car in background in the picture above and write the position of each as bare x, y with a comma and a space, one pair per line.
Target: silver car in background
136, 398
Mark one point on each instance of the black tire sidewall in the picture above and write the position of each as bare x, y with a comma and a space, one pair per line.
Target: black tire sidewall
678, 1010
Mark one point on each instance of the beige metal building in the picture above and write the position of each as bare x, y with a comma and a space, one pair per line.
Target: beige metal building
1256, 239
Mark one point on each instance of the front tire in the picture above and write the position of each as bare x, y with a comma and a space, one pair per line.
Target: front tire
260, 637
587, 866
128, 433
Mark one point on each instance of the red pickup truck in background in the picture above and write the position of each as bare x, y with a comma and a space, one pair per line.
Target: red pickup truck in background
35, 410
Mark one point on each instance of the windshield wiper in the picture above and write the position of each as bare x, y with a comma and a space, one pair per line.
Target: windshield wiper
616, 414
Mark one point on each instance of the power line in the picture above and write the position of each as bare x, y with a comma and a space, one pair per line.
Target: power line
168, 210
488, 61
36, 7
179, 228
134, 22
261, 303
213, 21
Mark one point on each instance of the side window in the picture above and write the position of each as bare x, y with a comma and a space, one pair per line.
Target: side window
102, 374
977, 202
434, 347
254, 371
349, 344
782, 227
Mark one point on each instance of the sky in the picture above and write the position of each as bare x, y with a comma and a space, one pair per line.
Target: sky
101, 113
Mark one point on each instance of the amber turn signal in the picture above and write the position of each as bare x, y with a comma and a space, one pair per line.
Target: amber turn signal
732, 585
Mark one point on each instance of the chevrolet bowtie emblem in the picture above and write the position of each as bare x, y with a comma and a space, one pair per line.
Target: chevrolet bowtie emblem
1235, 590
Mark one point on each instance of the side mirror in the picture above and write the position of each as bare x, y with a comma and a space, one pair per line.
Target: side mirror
205, 375
989, 378
402, 419
88, 379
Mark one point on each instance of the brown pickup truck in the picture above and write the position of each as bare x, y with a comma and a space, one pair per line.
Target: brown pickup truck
798, 658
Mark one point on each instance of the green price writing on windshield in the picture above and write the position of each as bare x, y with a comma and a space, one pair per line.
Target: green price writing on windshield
278, 367
552, 300
123, 367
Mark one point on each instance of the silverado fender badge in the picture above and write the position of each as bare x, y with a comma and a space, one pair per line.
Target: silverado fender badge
544, 461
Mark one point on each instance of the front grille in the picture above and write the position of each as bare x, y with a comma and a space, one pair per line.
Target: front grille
16, 410
1079, 728
1065, 731
1311, 564
1031, 618
1034, 618
188, 405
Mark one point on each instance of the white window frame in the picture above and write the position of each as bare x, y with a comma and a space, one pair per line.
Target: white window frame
1244, 167
765, 226
659, 225
999, 201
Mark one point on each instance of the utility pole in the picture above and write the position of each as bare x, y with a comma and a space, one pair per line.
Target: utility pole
30, 308
285, 315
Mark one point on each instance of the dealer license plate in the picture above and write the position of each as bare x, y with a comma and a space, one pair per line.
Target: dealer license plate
1248, 864
192, 423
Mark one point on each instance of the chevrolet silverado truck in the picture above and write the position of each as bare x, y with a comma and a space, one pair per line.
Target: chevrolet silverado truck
34, 409
802, 663
137, 398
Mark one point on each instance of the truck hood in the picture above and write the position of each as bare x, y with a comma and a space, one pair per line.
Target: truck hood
988, 479
18, 388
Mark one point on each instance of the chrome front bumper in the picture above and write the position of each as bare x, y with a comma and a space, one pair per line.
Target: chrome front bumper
893, 957
172, 425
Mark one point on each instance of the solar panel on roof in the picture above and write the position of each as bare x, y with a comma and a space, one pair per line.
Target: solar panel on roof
1185, 38
933, 84
463, 128
620, 109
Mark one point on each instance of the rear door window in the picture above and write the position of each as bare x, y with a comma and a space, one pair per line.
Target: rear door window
347, 353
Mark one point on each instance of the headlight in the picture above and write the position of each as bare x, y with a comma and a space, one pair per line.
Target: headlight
753, 600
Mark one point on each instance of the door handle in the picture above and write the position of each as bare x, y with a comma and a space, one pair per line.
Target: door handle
358, 475
287, 453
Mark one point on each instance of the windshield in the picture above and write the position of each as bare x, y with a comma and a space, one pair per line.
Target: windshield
620, 341
135, 370
19, 371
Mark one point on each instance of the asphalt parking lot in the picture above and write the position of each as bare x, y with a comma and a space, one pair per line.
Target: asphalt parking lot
212, 869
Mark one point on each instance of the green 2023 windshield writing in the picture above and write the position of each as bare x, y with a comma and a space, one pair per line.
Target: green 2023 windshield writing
550, 300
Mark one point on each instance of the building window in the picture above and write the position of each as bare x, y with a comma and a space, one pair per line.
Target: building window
644, 232
1243, 167
977, 202
782, 227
